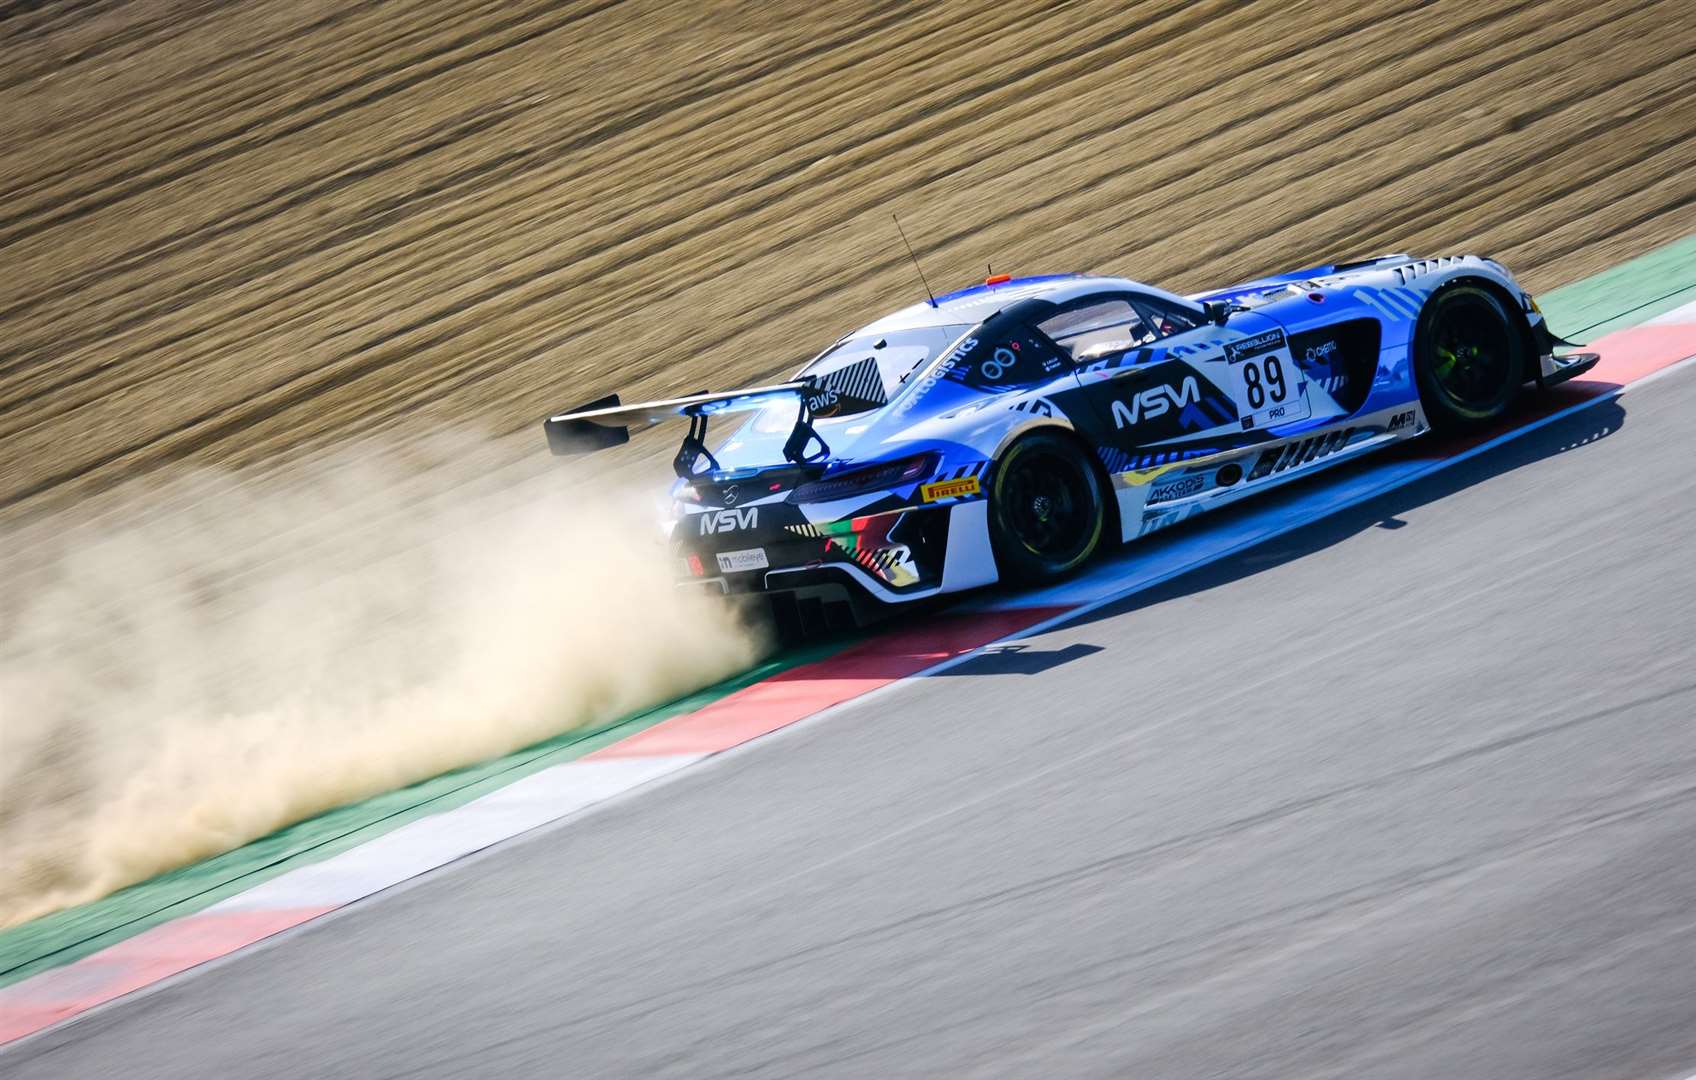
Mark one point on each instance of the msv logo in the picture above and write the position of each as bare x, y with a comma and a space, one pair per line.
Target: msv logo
1155, 401
723, 521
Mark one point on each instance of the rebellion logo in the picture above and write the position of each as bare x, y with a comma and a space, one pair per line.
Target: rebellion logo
1249, 346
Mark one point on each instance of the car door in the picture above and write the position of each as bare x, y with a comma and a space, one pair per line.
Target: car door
1184, 383
1152, 377
1263, 379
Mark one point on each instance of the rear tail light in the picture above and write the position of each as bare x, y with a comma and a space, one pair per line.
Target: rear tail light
851, 482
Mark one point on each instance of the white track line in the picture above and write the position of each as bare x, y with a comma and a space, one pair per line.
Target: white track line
539, 805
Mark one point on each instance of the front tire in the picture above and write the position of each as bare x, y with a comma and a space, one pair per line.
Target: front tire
1047, 509
1468, 358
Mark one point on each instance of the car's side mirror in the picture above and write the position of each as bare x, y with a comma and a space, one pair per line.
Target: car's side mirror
1217, 311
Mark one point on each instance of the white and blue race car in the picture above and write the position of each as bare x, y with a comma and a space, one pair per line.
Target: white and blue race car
1009, 430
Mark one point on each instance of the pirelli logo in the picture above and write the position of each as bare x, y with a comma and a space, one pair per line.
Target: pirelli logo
950, 489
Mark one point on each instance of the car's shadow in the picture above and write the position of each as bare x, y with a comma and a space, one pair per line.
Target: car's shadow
1018, 659
1560, 436
877, 646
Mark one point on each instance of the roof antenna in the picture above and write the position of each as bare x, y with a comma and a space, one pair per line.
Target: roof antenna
915, 259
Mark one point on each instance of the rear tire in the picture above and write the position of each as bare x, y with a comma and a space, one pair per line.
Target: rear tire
1047, 509
1469, 357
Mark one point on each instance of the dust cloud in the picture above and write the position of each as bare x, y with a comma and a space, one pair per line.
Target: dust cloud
202, 661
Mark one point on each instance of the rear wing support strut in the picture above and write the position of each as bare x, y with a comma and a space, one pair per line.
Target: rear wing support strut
694, 448
803, 436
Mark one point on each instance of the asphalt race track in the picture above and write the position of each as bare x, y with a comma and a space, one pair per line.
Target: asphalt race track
1405, 793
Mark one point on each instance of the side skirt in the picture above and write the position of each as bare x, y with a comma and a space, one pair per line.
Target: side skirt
1149, 503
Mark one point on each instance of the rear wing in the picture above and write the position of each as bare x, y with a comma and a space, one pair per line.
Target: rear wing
607, 423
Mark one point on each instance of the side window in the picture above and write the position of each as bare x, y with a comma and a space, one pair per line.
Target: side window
1165, 320
1098, 327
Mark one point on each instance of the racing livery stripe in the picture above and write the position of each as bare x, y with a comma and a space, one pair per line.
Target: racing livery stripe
1683, 314
143, 960
558, 792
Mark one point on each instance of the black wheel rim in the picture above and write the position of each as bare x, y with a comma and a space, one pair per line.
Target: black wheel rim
1046, 502
1471, 353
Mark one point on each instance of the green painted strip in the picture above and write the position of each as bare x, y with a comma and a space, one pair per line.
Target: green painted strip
69, 935
1630, 293
1625, 295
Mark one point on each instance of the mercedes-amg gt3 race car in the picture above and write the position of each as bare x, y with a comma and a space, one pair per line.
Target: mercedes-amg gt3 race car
1009, 430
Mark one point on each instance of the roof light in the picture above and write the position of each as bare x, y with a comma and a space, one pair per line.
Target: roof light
998, 279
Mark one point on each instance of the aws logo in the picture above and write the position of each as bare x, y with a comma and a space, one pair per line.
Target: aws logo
1155, 401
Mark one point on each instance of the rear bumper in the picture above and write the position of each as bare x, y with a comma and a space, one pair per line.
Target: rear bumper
823, 601
855, 578
815, 600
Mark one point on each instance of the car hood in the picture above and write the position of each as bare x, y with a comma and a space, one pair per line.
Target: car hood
1277, 282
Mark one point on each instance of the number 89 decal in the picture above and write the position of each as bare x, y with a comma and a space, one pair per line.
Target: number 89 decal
1263, 381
